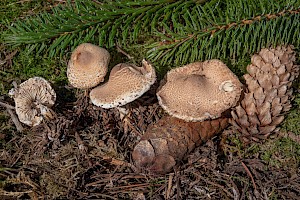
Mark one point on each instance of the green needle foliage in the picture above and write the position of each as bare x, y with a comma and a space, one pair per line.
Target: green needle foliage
84, 21
170, 32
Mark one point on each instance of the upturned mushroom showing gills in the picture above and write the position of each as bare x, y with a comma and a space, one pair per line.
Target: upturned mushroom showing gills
126, 83
87, 66
199, 91
33, 100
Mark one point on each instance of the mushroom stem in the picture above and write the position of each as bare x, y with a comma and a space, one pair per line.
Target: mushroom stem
14, 83
46, 112
123, 112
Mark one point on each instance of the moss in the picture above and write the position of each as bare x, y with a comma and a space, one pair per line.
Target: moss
12, 9
25, 66
281, 152
292, 120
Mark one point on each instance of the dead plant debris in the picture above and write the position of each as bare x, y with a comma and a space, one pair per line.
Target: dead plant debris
85, 153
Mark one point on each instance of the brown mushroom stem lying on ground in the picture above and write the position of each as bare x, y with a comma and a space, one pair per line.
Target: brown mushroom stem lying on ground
168, 141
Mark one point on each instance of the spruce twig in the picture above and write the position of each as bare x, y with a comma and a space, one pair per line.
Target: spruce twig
183, 31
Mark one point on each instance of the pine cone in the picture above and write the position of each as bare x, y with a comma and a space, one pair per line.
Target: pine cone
170, 139
268, 94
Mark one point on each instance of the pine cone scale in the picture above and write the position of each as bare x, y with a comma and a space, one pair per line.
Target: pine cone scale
169, 140
268, 94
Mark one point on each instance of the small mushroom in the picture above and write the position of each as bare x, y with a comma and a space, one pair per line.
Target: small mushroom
33, 99
87, 66
199, 91
126, 83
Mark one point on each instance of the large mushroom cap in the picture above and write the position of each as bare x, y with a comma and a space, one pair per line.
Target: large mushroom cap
199, 91
87, 66
33, 99
126, 83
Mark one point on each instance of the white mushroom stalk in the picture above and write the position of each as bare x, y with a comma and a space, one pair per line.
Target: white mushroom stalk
126, 83
33, 101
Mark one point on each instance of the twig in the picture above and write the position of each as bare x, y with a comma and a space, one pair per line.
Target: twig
15, 120
291, 135
117, 162
249, 174
104, 179
104, 196
119, 176
214, 184
169, 186
83, 148
14, 194
5, 105
123, 52
117, 189
294, 137
80, 143
236, 194
178, 196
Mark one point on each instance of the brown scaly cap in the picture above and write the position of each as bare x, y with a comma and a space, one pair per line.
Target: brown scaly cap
33, 99
126, 83
87, 66
199, 91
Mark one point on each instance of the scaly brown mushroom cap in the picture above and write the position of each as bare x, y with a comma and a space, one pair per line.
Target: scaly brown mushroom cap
33, 99
126, 83
199, 91
87, 66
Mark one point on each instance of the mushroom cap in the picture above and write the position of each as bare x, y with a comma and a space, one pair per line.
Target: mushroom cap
87, 66
126, 83
199, 91
33, 99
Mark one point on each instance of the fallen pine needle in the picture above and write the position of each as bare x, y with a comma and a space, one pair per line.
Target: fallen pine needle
169, 186
249, 174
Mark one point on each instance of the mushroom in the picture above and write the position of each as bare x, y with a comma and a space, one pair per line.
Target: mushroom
126, 83
199, 91
87, 66
33, 99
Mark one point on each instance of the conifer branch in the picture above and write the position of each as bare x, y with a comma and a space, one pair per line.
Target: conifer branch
86, 21
183, 31
235, 39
